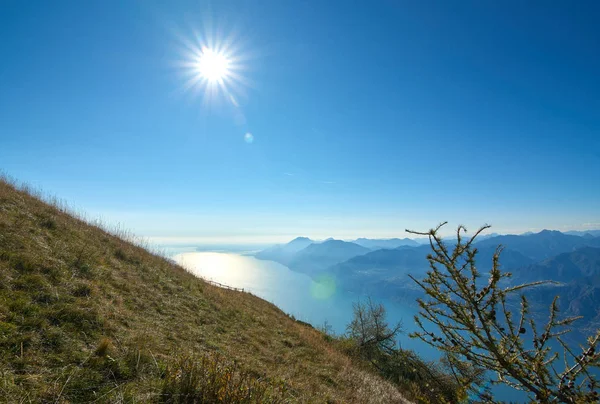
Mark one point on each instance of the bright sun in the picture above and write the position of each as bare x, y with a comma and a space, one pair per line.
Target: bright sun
213, 66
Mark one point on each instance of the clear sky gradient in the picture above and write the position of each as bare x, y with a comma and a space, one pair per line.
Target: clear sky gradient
367, 117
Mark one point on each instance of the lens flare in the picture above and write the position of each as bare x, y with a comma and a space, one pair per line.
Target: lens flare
323, 287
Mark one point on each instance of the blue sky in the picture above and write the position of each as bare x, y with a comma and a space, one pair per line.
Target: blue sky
367, 117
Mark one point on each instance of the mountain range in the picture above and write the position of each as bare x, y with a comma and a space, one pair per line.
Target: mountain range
583, 263
317, 257
587, 233
382, 267
578, 276
542, 245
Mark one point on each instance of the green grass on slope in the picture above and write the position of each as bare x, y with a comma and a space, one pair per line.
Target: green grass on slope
88, 317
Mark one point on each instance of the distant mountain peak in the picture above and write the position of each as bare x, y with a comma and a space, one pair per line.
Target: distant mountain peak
319, 256
584, 233
283, 253
546, 231
301, 239
332, 241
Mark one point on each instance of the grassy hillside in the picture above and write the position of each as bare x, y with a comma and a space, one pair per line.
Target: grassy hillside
86, 316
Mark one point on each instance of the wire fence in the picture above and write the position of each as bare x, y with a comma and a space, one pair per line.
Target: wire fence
223, 285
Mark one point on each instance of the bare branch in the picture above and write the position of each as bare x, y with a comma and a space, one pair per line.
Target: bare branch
470, 327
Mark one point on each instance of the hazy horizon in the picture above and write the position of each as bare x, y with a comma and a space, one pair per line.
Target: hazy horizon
262, 242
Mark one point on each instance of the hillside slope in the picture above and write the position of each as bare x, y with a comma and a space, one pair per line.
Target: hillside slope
86, 316
579, 274
566, 267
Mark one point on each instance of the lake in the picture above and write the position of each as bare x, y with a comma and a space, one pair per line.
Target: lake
315, 302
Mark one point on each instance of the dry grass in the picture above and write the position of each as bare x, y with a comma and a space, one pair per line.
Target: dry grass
88, 316
211, 379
